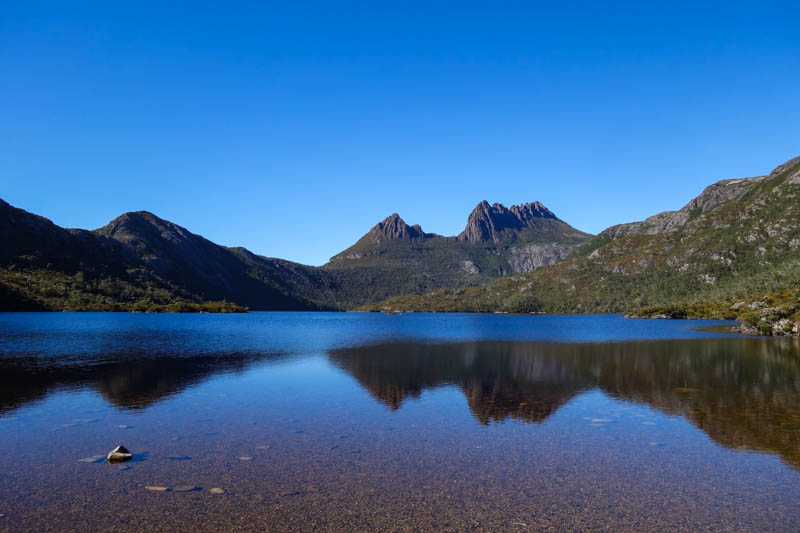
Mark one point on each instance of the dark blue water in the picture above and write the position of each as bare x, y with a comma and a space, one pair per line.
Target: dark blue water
414, 422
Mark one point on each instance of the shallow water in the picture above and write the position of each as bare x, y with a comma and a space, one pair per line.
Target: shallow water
416, 422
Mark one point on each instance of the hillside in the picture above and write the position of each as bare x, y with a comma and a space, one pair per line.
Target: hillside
737, 239
140, 262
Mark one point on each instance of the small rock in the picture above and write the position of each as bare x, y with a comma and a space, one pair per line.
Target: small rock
124, 426
2, 515
185, 488
265, 447
156, 489
120, 454
245, 458
217, 490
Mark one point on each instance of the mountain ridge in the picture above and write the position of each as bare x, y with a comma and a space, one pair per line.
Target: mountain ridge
736, 238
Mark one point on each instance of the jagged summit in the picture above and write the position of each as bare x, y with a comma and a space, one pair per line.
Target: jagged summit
492, 223
393, 228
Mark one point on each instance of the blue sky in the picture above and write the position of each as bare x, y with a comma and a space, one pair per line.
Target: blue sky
292, 128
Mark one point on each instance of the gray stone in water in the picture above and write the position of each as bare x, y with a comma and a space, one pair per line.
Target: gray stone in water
120, 454
217, 490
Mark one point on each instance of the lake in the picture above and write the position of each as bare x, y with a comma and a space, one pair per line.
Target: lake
414, 422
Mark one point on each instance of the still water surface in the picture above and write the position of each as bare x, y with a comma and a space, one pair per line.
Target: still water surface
418, 422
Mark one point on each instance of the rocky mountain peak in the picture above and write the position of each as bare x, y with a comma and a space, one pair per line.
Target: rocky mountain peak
492, 223
394, 228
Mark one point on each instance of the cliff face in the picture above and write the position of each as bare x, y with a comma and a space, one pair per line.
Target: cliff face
495, 223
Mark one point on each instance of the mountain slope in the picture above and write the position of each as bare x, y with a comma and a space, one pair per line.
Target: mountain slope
396, 258
139, 262
738, 238
210, 271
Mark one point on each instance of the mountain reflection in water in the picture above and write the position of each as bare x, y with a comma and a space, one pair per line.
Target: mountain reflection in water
126, 380
742, 392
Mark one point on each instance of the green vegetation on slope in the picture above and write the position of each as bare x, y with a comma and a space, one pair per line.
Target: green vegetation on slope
739, 245
48, 290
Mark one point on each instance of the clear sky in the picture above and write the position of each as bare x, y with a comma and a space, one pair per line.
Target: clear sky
292, 128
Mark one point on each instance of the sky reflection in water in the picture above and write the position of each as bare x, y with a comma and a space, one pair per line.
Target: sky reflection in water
522, 413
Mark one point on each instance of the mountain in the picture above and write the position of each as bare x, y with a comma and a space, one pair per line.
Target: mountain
736, 241
397, 258
214, 272
139, 261
735, 244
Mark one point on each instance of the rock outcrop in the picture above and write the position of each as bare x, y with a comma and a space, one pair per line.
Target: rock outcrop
528, 257
393, 228
495, 223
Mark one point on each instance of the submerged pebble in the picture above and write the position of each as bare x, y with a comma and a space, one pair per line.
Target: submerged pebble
217, 490
245, 458
155, 488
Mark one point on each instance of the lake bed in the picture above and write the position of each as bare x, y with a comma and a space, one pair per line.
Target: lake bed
416, 422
